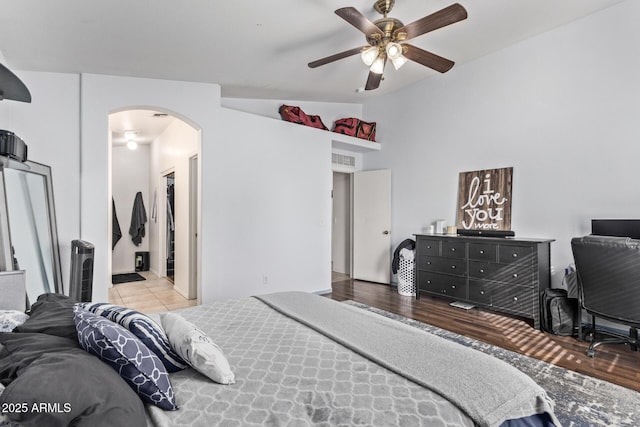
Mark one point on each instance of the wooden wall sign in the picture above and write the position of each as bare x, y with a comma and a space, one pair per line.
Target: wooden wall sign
484, 200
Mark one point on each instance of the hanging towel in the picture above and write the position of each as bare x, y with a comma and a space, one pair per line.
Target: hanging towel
138, 218
116, 233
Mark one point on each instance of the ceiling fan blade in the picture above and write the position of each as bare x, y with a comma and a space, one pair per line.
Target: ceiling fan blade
373, 81
336, 57
427, 59
447, 16
358, 20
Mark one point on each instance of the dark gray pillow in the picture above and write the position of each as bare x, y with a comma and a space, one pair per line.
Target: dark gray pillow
76, 389
52, 314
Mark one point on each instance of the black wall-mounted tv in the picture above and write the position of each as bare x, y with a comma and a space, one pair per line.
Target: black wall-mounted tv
616, 227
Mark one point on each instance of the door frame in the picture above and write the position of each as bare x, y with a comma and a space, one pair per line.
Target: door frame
162, 220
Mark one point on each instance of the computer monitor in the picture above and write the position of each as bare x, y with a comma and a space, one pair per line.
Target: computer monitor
616, 227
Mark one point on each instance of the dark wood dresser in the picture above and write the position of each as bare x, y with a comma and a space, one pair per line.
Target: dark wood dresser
502, 274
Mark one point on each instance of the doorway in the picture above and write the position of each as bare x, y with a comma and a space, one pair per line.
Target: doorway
163, 165
170, 234
341, 227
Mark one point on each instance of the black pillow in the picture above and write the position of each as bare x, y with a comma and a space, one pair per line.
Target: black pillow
71, 387
21, 349
52, 314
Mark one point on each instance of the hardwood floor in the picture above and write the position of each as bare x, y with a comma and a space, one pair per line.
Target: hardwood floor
613, 363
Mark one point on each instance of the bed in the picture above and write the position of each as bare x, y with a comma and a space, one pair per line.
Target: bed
300, 359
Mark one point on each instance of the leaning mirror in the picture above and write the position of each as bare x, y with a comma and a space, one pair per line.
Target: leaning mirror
28, 226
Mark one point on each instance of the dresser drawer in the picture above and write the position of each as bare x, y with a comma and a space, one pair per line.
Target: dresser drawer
454, 249
442, 284
517, 299
426, 246
515, 273
483, 251
509, 253
453, 266
480, 292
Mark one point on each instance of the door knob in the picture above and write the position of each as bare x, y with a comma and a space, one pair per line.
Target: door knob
385, 232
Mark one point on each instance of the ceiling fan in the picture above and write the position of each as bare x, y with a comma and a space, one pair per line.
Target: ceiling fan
386, 39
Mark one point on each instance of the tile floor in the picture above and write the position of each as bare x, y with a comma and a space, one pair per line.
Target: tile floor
153, 295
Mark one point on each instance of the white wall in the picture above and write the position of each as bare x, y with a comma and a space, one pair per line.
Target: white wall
130, 175
561, 108
50, 126
270, 190
265, 205
101, 95
172, 151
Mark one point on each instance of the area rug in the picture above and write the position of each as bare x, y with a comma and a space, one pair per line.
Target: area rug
126, 277
580, 400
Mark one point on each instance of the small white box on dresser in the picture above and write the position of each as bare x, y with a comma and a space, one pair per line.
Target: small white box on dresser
12, 290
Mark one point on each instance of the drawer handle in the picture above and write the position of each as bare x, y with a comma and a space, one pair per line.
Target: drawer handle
515, 275
428, 262
514, 255
481, 292
515, 299
428, 282
453, 267
481, 251
453, 286
482, 270
453, 249
428, 246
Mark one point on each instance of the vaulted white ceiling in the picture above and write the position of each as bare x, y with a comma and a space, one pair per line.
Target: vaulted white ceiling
255, 49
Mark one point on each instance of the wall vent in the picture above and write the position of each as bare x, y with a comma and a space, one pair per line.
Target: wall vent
343, 160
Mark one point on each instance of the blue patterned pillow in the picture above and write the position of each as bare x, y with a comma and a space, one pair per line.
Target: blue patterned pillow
148, 331
120, 349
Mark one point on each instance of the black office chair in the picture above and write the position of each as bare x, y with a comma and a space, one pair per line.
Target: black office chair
608, 286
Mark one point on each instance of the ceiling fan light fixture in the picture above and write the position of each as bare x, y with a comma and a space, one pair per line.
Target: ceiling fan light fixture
369, 55
394, 50
398, 62
378, 65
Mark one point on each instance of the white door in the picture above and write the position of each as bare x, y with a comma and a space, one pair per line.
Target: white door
372, 226
193, 227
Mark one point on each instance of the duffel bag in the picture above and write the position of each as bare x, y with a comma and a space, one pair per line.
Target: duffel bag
355, 127
295, 114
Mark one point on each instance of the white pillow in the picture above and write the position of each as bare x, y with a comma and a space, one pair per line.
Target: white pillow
197, 348
9, 319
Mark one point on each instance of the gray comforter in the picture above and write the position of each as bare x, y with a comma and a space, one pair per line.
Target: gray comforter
288, 374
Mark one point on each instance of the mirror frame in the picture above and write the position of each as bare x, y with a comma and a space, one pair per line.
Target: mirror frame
6, 258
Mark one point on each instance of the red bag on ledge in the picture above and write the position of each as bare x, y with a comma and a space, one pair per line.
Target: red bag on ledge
356, 127
296, 115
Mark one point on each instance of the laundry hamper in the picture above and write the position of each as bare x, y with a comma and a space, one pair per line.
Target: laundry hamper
406, 273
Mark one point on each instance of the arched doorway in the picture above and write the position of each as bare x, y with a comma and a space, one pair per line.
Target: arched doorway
159, 171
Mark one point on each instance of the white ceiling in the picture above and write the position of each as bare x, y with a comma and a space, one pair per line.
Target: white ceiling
147, 125
252, 48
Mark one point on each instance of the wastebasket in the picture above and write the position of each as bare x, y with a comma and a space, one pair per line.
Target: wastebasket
142, 261
406, 273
